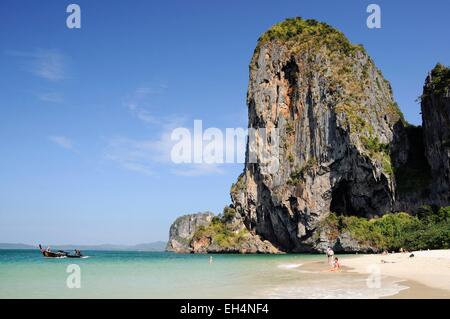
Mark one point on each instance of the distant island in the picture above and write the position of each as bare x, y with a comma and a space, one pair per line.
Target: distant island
154, 246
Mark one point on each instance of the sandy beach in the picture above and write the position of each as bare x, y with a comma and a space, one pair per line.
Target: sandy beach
427, 274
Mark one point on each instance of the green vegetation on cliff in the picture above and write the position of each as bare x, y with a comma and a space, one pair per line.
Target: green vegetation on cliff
300, 31
220, 231
239, 186
440, 80
297, 175
379, 151
429, 229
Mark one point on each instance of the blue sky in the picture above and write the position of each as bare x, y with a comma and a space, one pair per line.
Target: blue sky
85, 114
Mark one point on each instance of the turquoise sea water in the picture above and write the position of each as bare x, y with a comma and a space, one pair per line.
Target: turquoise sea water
27, 274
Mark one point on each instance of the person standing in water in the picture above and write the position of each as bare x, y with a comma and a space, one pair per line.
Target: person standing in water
210, 259
330, 254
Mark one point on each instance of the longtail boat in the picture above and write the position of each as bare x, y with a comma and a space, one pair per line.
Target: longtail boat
52, 254
60, 253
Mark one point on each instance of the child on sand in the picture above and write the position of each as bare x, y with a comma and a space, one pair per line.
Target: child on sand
336, 265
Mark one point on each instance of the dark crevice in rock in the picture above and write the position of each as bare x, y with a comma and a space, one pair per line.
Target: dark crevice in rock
341, 199
312, 124
290, 71
414, 175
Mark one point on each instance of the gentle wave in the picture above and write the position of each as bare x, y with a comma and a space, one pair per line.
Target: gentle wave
337, 293
289, 266
334, 293
318, 289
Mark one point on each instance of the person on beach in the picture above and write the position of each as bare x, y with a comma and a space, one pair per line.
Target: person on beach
336, 265
330, 254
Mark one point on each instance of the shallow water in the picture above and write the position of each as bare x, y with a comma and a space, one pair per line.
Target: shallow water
26, 274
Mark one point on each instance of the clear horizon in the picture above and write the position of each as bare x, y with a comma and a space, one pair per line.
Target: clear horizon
85, 114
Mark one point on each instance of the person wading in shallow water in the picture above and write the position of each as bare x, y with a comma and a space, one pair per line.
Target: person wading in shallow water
330, 254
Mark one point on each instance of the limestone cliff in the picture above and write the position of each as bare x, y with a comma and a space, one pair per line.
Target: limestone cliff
342, 147
206, 233
183, 229
424, 178
338, 125
436, 131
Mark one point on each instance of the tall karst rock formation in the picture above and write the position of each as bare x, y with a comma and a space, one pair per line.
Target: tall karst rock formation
339, 127
436, 131
343, 144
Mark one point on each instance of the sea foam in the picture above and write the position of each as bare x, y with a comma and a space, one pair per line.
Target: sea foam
289, 266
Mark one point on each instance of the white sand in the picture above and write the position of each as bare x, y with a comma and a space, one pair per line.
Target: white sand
430, 268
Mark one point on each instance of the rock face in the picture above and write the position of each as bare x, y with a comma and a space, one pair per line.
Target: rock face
250, 244
436, 130
337, 125
341, 146
342, 243
204, 233
424, 178
183, 229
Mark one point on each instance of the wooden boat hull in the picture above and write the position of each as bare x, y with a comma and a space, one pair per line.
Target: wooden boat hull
51, 254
